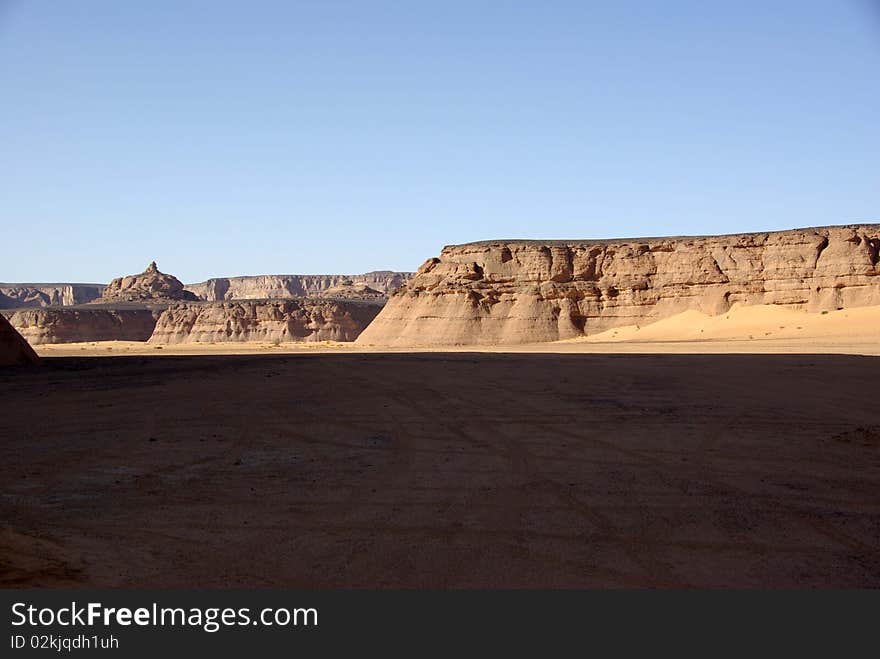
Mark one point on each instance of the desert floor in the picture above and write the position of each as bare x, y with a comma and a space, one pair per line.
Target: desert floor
752, 330
442, 470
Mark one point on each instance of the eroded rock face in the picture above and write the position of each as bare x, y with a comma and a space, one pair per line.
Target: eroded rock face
510, 292
149, 286
14, 349
353, 291
16, 296
264, 320
67, 325
298, 286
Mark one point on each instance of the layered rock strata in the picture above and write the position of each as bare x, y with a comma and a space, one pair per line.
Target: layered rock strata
73, 325
299, 286
510, 292
264, 320
16, 296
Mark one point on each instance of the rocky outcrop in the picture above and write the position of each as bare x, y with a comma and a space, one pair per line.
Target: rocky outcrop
264, 320
338, 308
509, 292
16, 296
352, 291
296, 286
72, 325
14, 350
155, 286
149, 286
208, 322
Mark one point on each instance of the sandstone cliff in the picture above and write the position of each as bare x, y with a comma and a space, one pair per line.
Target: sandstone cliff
15, 296
296, 286
352, 291
149, 286
264, 320
72, 325
155, 286
509, 292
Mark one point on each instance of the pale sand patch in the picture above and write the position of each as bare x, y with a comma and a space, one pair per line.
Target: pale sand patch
761, 329
753, 322
142, 348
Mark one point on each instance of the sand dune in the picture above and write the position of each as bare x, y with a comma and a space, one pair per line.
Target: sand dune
760, 328
743, 323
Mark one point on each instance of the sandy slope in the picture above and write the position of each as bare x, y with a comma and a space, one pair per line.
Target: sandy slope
753, 329
754, 322
761, 328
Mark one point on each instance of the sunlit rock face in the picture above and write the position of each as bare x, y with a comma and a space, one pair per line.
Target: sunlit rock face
18, 296
511, 292
264, 320
148, 286
78, 324
366, 286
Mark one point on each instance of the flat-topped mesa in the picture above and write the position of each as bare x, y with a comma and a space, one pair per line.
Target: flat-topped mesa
260, 287
149, 286
520, 291
20, 296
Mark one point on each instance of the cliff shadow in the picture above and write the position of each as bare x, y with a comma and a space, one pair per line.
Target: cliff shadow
443, 470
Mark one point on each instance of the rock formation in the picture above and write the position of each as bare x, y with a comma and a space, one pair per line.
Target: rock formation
352, 291
294, 286
264, 320
152, 285
14, 350
187, 322
149, 286
337, 308
72, 325
16, 296
509, 292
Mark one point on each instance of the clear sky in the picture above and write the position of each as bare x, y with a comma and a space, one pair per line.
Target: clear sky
248, 137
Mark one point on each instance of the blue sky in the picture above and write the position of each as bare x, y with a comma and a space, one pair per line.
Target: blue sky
225, 138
